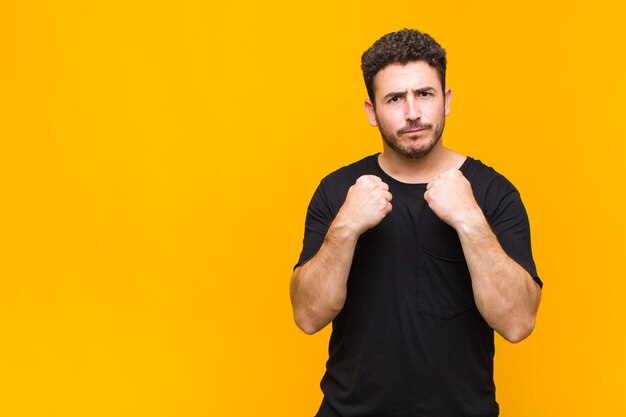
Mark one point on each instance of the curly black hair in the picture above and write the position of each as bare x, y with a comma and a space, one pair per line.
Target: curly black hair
402, 47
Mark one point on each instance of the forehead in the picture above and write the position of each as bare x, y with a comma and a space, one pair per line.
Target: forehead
410, 76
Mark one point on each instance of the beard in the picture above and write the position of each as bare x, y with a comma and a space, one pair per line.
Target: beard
416, 147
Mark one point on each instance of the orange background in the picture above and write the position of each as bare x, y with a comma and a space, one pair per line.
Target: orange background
157, 159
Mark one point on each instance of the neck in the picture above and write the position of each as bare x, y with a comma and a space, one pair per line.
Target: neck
420, 170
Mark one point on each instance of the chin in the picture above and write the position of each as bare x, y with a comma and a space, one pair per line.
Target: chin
418, 152
415, 155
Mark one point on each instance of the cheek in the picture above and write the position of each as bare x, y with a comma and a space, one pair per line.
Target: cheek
397, 120
435, 114
390, 121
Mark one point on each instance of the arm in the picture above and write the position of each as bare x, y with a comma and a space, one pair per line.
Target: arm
505, 293
318, 288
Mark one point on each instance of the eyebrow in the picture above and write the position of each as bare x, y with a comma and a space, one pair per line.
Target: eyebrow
425, 90
403, 93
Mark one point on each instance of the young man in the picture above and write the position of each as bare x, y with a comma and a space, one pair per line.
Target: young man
416, 255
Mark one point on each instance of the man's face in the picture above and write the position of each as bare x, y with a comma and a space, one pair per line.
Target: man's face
410, 108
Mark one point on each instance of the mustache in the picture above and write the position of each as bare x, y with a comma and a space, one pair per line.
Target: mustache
414, 125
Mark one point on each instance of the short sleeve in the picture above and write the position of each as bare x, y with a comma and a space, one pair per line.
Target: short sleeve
319, 216
509, 222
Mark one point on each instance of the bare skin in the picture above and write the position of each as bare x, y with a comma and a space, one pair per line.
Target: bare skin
505, 294
318, 288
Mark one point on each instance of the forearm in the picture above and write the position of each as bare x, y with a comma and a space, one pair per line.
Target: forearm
318, 288
505, 294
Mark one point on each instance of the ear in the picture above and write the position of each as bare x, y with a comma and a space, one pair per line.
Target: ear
371, 113
447, 98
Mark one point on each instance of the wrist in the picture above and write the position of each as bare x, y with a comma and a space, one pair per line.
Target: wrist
472, 224
342, 229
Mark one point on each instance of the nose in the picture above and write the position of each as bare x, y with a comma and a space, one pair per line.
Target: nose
412, 110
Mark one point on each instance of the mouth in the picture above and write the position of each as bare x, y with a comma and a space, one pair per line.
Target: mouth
413, 131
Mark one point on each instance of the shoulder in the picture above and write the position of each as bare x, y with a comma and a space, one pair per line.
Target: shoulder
343, 178
484, 177
352, 171
489, 186
333, 187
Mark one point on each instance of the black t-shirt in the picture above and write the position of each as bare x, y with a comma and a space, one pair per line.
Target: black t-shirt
409, 340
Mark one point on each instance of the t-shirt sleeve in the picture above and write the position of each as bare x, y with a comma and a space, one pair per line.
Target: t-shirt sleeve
509, 222
319, 216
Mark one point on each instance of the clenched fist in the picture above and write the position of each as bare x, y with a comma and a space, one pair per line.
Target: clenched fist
450, 197
366, 205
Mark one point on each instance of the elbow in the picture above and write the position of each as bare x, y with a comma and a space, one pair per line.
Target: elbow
518, 332
305, 324
311, 320
307, 328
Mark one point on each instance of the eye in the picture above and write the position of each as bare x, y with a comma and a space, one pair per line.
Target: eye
395, 99
425, 94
